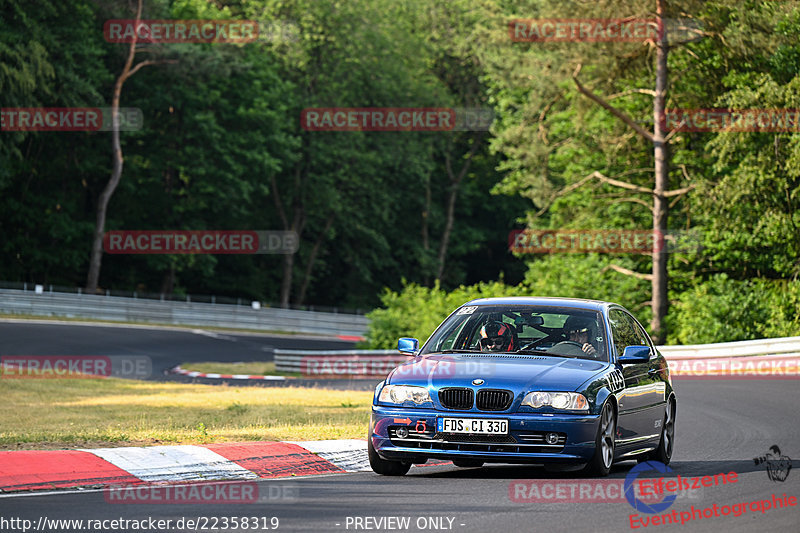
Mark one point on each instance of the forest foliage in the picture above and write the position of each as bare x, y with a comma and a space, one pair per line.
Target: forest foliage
222, 148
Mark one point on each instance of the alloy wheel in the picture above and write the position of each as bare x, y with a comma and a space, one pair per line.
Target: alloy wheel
607, 438
669, 430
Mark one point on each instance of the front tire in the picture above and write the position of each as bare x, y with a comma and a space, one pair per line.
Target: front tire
605, 443
382, 466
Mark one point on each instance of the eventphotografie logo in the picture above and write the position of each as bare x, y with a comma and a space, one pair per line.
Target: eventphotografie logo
69, 119
180, 31
75, 366
637, 502
200, 242
778, 465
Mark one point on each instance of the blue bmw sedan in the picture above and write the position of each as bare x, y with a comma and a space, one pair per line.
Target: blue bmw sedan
526, 380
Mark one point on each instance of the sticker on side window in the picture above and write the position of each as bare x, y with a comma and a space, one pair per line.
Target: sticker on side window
467, 310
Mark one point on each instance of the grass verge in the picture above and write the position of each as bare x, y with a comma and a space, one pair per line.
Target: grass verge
253, 369
69, 413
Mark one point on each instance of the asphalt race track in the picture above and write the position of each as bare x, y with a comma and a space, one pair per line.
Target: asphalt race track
165, 347
722, 425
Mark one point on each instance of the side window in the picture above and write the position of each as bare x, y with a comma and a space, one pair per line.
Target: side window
623, 328
446, 343
641, 335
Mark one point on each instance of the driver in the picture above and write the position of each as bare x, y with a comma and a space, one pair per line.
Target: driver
578, 329
496, 337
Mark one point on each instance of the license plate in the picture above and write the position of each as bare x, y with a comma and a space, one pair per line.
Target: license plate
480, 426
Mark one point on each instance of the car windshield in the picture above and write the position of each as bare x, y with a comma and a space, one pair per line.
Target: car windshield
524, 329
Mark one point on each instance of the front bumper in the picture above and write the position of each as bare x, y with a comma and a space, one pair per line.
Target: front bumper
525, 442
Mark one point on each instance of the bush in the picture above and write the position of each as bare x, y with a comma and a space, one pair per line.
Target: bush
717, 310
416, 311
588, 276
722, 310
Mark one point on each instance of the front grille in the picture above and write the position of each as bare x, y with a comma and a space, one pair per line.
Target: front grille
532, 442
460, 437
456, 398
471, 447
412, 434
494, 399
537, 437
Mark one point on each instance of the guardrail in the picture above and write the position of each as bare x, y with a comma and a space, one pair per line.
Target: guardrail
338, 363
371, 363
779, 346
122, 309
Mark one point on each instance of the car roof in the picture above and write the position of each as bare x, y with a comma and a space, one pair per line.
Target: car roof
579, 303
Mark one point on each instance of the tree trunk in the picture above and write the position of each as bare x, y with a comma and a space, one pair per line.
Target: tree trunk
311, 259
296, 225
660, 302
102, 202
455, 184
116, 172
425, 232
288, 259
448, 228
168, 283
286, 283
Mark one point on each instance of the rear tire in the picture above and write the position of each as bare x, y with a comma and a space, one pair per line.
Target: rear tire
663, 453
605, 443
382, 466
467, 463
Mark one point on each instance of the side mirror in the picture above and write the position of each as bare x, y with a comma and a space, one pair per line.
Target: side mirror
635, 355
407, 346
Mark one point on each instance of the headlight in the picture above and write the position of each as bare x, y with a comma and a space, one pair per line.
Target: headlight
569, 401
400, 394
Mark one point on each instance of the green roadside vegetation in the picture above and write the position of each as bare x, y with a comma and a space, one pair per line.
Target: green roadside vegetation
91, 413
719, 310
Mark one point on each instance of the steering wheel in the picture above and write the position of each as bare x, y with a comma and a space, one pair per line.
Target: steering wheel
537, 342
569, 348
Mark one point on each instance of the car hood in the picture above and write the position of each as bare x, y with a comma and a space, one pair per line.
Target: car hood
518, 372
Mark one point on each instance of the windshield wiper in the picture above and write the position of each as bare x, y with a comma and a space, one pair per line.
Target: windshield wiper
532, 351
457, 351
543, 352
